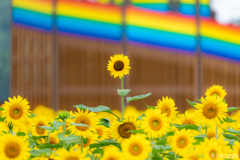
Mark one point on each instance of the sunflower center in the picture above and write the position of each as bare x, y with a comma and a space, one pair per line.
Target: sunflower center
86, 144
72, 158
210, 111
12, 150
193, 158
118, 65
188, 121
135, 148
124, 128
99, 132
213, 154
39, 129
211, 135
112, 158
15, 112
182, 142
155, 123
165, 109
215, 94
83, 120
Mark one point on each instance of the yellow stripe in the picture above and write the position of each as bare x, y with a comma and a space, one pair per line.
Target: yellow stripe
220, 34
206, 2
162, 24
188, 1
149, 1
34, 6
88, 13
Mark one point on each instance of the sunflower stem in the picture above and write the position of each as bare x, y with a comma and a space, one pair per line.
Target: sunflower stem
81, 144
64, 132
205, 131
122, 99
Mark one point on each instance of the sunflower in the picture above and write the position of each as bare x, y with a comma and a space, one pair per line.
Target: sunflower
192, 155
119, 130
16, 110
88, 118
118, 65
211, 132
154, 124
53, 138
211, 111
236, 148
102, 132
216, 91
112, 153
3, 127
14, 147
36, 129
181, 141
167, 106
136, 147
187, 118
72, 154
211, 150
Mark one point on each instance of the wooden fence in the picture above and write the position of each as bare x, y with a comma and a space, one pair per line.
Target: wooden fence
82, 77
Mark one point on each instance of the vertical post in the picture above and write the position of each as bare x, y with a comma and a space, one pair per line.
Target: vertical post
198, 51
124, 37
54, 61
11, 54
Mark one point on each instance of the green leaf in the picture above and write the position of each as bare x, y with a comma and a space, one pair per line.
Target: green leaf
137, 131
57, 124
199, 100
161, 142
38, 137
123, 92
229, 120
192, 103
32, 115
41, 153
230, 136
98, 151
1, 109
186, 126
230, 109
105, 122
47, 128
94, 109
21, 134
49, 145
150, 107
233, 131
2, 119
171, 133
140, 117
198, 141
129, 99
105, 143
80, 124
157, 157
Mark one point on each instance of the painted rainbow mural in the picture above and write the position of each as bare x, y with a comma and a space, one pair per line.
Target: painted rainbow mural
36, 13
168, 29
90, 19
159, 5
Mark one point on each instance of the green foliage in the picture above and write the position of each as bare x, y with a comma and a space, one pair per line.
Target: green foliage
129, 99
123, 92
192, 104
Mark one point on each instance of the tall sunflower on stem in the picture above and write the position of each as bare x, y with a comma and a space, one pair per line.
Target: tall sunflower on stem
118, 65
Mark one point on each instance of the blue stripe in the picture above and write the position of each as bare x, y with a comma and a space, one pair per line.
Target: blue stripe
205, 11
89, 28
220, 48
162, 38
158, 7
32, 18
188, 9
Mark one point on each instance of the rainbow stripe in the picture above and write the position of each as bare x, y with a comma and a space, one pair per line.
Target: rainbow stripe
159, 5
37, 13
220, 40
188, 7
90, 19
158, 28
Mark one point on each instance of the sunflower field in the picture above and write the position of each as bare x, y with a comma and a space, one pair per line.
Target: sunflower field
204, 132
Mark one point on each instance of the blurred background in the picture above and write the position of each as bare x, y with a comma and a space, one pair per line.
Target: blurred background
55, 52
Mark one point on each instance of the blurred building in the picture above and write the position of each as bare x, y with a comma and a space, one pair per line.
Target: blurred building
60, 50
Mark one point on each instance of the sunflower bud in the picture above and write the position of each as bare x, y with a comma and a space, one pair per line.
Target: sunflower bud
63, 115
